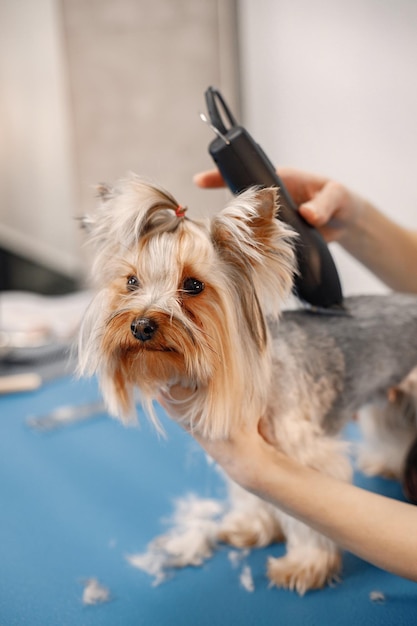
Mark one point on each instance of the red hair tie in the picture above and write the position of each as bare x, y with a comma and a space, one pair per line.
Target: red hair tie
180, 211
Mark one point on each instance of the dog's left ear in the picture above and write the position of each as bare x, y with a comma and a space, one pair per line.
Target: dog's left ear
249, 219
267, 203
249, 237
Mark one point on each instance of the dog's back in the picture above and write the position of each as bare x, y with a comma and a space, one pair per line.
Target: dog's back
363, 353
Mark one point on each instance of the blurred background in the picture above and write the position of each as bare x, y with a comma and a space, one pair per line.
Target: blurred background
92, 90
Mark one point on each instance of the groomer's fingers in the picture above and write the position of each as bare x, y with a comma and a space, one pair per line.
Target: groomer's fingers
243, 441
302, 186
236, 455
210, 179
328, 202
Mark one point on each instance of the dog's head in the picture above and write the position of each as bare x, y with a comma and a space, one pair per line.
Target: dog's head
184, 303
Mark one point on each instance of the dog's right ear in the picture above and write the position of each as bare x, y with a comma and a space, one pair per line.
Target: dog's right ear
104, 191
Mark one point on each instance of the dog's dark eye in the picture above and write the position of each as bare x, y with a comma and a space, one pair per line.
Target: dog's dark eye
132, 283
192, 286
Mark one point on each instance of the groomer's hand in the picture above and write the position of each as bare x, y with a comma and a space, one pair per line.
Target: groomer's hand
324, 203
244, 455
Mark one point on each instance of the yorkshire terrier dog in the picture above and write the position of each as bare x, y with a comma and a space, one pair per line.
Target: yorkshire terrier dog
198, 305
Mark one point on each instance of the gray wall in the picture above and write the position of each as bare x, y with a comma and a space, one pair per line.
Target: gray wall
138, 71
93, 90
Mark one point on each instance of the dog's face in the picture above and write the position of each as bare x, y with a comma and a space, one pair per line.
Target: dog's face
183, 303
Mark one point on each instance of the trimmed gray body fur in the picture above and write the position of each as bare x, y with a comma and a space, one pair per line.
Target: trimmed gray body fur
346, 361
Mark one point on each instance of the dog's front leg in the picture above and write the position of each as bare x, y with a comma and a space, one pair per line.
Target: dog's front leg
311, 562
250, 522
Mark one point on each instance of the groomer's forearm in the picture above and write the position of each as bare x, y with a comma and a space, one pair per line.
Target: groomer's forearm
378, 529
386, 248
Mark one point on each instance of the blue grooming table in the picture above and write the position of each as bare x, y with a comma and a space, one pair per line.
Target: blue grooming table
74, 503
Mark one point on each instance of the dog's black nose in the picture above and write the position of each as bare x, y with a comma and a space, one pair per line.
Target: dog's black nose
143, 328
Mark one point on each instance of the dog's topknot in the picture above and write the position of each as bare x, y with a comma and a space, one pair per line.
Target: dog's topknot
131, 209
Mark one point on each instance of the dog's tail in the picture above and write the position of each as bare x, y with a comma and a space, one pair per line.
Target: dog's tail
410, 474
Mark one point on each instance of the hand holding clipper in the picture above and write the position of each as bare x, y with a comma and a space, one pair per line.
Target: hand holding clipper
243, 163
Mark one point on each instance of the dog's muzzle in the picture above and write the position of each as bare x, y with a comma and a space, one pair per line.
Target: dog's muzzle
143, 328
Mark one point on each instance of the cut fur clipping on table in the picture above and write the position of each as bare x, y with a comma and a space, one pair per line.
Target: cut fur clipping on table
95, 593
246, 579
190, 540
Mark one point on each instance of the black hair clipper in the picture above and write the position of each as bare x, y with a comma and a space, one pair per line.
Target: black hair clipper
243, 163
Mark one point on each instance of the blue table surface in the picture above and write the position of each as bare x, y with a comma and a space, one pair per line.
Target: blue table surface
75, 502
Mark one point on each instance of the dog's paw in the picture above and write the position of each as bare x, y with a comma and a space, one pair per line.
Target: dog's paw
297, 573
244, 530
